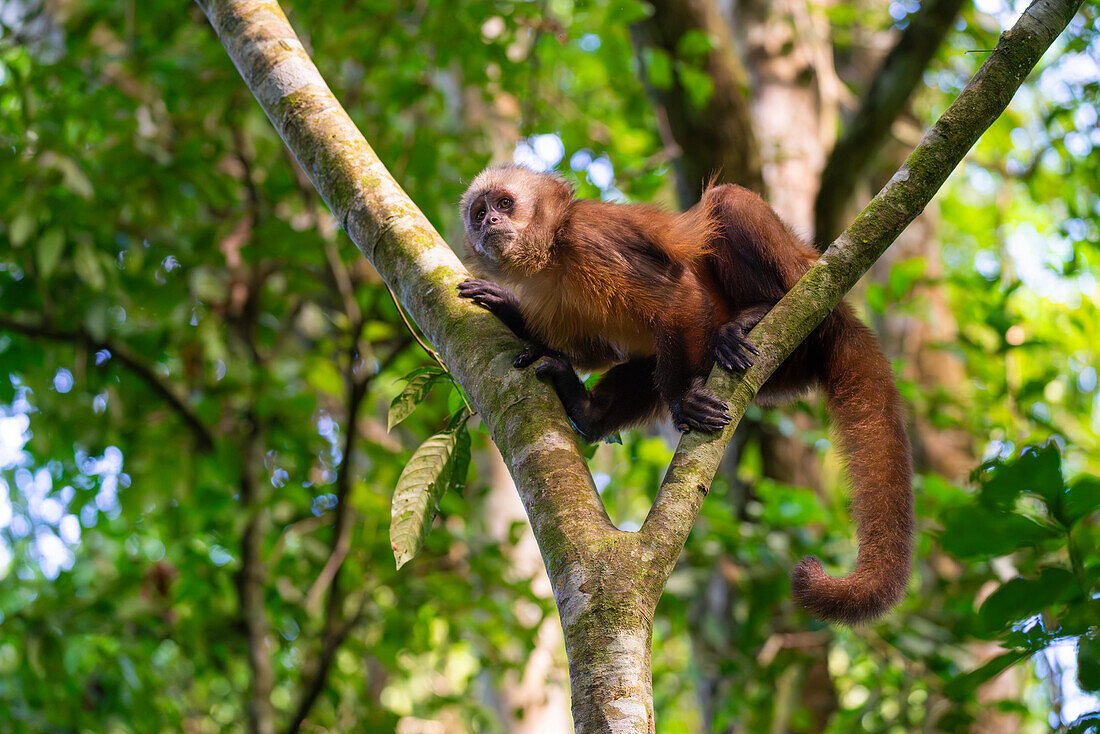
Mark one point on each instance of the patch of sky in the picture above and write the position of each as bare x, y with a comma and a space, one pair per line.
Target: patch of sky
1039, 260
63, 380
31, 504
539, 152
1060, 659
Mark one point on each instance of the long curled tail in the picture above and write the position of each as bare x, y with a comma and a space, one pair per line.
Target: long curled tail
864, 404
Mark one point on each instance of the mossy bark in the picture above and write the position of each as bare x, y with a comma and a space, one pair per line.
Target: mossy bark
606, 582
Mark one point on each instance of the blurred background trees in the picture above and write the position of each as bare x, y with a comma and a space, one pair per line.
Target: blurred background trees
195, 369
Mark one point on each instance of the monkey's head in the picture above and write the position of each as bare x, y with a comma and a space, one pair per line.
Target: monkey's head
510, 214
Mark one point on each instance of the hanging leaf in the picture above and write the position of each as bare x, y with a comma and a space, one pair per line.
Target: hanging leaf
423, 481
420, 383
87, 267
48, 250
1038, 470
977, 530
1081, 500
460, 458
1021, 598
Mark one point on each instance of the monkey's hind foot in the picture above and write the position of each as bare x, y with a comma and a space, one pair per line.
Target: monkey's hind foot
698, 410
733, 348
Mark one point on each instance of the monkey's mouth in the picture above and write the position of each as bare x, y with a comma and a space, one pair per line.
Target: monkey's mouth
494, 243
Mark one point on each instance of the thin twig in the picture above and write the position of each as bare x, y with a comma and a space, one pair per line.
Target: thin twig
168, 391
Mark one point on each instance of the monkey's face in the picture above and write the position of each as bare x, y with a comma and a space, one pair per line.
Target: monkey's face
510, 214
494, 223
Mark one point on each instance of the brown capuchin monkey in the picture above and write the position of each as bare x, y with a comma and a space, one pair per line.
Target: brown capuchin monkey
654, 298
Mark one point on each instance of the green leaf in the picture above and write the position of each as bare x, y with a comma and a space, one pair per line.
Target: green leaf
48, 251
1038, 470
904, 275
962, 686
420, 384
21, 227
1088, 663
694, 44
1021, 598
658, 68
787, 506
323, 375
87, 266
422, 482
460, 459
976, 530
1081, 500
698, 85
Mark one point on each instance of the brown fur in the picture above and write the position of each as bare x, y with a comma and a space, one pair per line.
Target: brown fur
655, 293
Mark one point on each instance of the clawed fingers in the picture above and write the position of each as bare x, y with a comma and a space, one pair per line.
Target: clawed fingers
701, 411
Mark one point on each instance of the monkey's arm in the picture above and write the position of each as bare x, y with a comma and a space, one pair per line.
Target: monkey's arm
503, 304
681, 365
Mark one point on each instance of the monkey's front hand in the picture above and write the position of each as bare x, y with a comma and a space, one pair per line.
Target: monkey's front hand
698, 410
499, 301
733, 348
489, 295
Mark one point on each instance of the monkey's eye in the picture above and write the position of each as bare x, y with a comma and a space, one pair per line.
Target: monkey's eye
479, 215
505, 203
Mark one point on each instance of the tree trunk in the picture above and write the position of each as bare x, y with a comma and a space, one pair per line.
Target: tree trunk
538, 701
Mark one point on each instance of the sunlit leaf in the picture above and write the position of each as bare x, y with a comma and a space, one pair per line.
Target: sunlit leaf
420, 383
964, 685
976, 530
422, 482
87, 266
1081, 500
48, 250
1038, 469
1020, 598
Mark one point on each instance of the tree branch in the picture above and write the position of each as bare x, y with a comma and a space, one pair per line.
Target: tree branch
251, 585
850, 256
143, 371
901, 71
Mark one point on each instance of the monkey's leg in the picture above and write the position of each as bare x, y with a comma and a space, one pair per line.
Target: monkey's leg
624, 395
682, 363
732, 348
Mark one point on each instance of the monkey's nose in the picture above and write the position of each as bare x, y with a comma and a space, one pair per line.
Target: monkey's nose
494, 219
